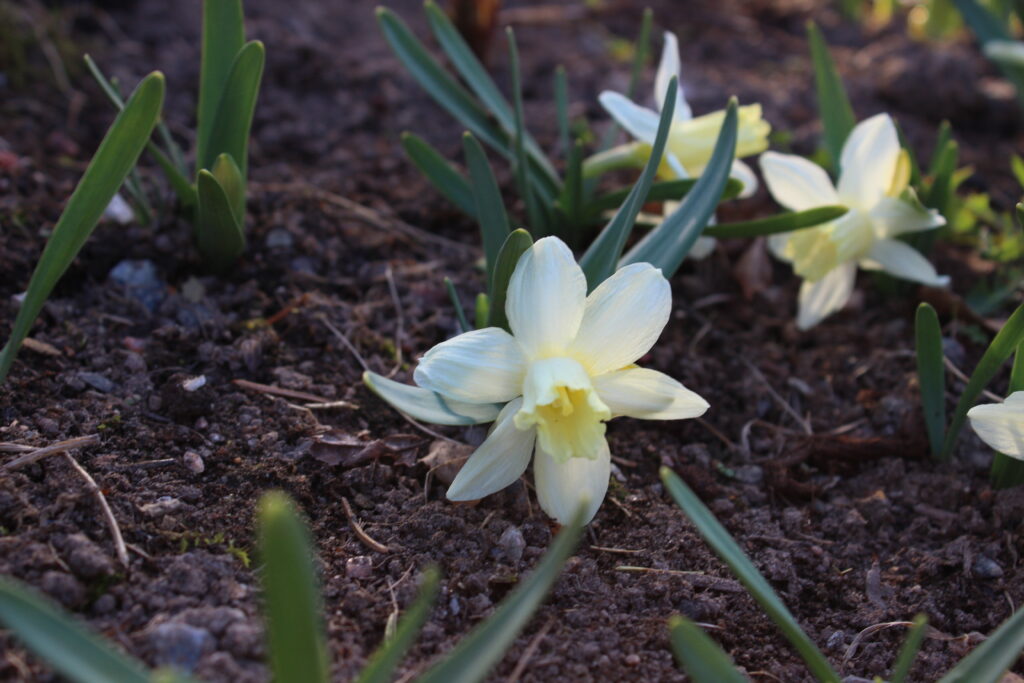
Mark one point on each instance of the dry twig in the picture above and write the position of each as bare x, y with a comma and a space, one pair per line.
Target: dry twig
60, 447
360, 532
115, 530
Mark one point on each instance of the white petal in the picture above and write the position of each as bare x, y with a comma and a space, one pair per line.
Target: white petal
563, 487
546, 297
1001, 425
743, 173
640, 122
482, 366
893, 217
498, 462
668, 67
868, 161
826, 296
902, 260
648, 395
624, 317
797, 183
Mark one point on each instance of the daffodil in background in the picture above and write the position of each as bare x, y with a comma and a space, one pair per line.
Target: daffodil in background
1001, 425
691, 139
873, 184
565, 370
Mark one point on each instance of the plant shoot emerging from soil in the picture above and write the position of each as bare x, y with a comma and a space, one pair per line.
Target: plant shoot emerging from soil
566, 368
873, 184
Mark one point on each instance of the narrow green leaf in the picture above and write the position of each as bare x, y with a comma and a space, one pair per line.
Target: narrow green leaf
220, 237
908, 653
460, 313
641, 48
229, 130
508, 256
57, 638
381, 667
931, 375
480, 82
701, 657
562, 108
490, 209
571, 199
482, 311
773, 225
712, 531
223, 37
942, 138
477, 653
455, 99
1007, 471
227, 173
601, 259
522, 168
445, 178
666, 190
989, 29
989, 661
834, 109
1004, 344
666, 246
1017, 166
291, 596
941, 189
115, 158
429, 406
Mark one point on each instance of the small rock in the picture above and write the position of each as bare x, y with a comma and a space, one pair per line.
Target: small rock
478, 604
193, 384
164, 505
511, 544
987, 568
360, 567
632, 660
836, 641
119, 211
244, 639
749, 474
141, 282
97, 381
279, 238
64, 588
85, 558
193, 462
179, 645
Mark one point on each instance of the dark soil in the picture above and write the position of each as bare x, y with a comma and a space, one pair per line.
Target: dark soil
853, 525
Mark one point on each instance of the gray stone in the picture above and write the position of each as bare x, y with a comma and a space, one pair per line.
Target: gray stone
97, 381
141, 282
511, 544
359, 567
279, 238
987, 568
179, 645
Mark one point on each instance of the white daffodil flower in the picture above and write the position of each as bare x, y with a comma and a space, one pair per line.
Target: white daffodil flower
873, 181
1001, 425
691, 140
566, 369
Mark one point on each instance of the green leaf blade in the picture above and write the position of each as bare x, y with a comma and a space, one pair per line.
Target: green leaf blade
295, 634
71, 649
427, 405
490, 209
222, 38
774, 225
508, 257
908, 653
445, 178
700, 656
834, 108
232, 120
219, 234
712, 531
116, 157
931, 374
666, 246
989, 661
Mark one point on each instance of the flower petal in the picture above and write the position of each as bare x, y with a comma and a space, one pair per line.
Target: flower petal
1001, 425
482, 366
668, 67
648, 395
624, 317
868, 161
795, 182
893, 217
902, 260
743, 173
563, 487
826, 296
546, 297
498, 462
640, 122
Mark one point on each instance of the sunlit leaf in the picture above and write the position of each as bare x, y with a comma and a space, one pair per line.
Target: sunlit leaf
115, 158
773, 225
931, 375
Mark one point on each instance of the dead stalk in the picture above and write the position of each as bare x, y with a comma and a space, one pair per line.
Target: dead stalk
115, 530
360, 532
60, 447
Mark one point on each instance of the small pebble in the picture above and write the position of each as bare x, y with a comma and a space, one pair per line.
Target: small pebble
97, 381
632, 660
279, 238
179, 645
359, 567
193, 462
511, 544
986, 568
141, 282
163, 506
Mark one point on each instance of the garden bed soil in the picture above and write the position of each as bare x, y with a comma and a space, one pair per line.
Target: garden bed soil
813, 453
